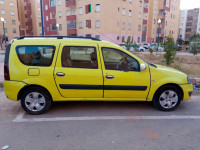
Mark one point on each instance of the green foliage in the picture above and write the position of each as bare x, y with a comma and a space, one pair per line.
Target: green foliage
194, 44
128, 44
151, 49
136, 47
170, 51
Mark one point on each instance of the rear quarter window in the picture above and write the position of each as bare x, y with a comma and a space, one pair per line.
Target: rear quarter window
36, 55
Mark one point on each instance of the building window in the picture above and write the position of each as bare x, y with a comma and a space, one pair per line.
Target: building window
13, 22
154, 21
52, 3
140, 3
14, 31
139, 27
123, 39
47, 18
143, 38
80, 11
47, 29
11, 4
118, 9
130, 13
59, 14
52, 15
123, 25
140, 16
3, 12
68, 13
60, 27
124, 11
39, 16
46, 7
71, 24
129, 26
97, 8
97, 36
1, 2
138, 40
53, 27
6, 30
12, 13
130, 1
38, 9
88, 23
80, 25
97, 23
59, 2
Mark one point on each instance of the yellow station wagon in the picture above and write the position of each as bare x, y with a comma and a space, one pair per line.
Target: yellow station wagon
39, 70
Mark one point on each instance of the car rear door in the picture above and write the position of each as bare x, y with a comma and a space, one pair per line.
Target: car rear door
78, 71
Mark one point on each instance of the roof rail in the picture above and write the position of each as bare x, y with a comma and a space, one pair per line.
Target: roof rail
59, 37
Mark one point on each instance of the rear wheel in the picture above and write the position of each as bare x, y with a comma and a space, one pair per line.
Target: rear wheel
167, 98
35, 101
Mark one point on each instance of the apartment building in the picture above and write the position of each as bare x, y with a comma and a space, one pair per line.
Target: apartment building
8, 11
112, 20
30, 17
182, 26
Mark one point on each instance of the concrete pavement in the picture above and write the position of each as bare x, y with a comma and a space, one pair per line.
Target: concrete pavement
118, 134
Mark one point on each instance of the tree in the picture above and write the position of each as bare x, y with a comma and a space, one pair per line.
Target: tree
170, 51
128, 44
194, 44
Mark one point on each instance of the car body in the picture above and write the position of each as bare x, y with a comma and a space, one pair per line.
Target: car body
157, 47
146, 45
38, 71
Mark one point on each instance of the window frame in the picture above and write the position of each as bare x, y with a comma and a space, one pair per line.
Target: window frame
115, 49
37, 46
82, 47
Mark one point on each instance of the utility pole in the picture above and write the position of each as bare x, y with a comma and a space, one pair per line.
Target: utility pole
41, 9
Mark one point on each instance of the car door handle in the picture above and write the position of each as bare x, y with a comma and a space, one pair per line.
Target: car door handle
60, 74
109, 76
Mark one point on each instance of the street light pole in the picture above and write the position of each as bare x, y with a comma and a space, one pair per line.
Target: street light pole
4, 30
159, 22
41, 9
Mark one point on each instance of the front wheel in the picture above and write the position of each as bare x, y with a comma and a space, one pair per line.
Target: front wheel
167, 98
35, 101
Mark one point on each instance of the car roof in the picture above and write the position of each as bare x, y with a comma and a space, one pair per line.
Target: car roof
55, 41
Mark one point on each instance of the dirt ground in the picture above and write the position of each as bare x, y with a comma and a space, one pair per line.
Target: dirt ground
188, 64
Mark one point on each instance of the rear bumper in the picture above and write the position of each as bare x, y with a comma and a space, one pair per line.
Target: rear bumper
187, 91
12, 89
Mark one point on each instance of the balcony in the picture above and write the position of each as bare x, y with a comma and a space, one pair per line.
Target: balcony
70, 3
71, 31
146, 1
145, 10
144, 21
71, 17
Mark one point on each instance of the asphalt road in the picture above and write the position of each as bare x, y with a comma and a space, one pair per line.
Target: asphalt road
100, 126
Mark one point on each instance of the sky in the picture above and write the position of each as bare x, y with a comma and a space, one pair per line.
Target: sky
189, 4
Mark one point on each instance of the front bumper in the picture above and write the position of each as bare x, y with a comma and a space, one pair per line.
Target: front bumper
187, 91
12, 88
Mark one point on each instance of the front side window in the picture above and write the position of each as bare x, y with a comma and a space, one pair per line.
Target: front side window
118, 60
79, 57
35, 55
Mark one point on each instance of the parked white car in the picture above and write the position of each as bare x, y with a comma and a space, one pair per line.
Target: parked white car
134, 47
155, 47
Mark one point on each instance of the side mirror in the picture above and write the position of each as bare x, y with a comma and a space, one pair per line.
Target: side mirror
143, 67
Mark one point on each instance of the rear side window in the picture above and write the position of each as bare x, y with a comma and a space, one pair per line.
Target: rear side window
79, 57
36, 55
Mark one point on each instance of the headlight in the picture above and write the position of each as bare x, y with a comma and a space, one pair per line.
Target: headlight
189, 80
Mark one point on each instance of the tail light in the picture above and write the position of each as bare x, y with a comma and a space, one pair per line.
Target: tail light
6, 63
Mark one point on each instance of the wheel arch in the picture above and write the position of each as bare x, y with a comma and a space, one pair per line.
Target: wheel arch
170, 84
30, 86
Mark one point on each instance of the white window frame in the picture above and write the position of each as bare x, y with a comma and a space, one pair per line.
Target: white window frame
3, 12
80, 25
123, 11
80, 10
12, 13
98, 8
46, 7
97, 24
47, 18
130, 13
129, 26
59, 3
11, 4
68, 12
59, 14
123, 25
1, 2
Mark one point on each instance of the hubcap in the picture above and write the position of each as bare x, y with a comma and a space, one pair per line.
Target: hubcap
35, 101
168, 99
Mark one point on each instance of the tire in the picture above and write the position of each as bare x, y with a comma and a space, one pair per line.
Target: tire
167, 98
141, 50
38, 105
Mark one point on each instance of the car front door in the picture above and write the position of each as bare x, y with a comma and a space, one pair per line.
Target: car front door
122, 75
78, 72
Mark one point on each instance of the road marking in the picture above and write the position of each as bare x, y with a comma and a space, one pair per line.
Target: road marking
20, 118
